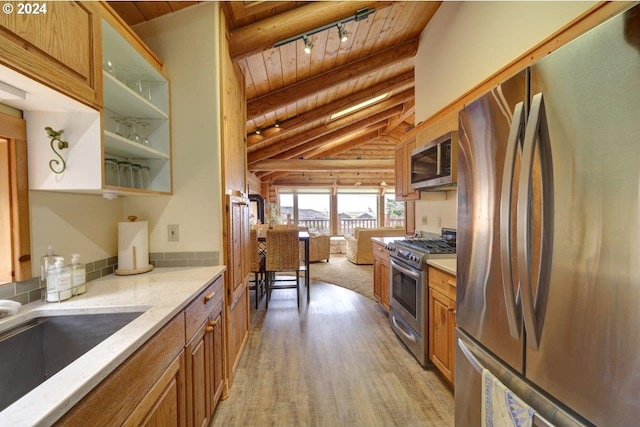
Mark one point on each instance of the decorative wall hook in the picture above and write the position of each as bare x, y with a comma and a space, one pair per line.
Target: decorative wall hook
55, 136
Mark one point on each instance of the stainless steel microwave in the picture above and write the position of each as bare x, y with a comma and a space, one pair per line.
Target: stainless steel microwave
435, 165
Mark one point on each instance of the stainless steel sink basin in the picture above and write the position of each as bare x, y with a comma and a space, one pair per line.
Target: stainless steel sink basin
37, 349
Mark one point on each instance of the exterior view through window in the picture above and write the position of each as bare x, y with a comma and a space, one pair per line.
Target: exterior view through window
363, 208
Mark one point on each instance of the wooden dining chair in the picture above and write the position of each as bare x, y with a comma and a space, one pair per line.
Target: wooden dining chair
282, 255
257, 267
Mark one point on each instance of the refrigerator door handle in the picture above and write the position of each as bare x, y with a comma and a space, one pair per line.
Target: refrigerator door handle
506, 199
470, 357
536, 132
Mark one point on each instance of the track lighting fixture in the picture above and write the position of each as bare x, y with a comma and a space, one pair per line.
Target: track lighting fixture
276, 124
258, 130
307, 44
360, 15
342, 32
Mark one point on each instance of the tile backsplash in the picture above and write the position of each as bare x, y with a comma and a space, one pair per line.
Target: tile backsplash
30, 291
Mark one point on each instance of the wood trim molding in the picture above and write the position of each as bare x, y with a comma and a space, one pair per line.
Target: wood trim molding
583, 23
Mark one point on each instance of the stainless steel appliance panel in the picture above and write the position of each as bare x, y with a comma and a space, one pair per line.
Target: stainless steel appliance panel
588, 314
471, 360
408, 294
484, 130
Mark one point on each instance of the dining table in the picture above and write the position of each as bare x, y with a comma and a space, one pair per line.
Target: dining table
303, 236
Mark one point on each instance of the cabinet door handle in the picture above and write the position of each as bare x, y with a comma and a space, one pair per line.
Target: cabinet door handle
209, 329
213, 323
209, 297
450, 309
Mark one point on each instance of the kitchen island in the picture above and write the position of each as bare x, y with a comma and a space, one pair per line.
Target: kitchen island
160, 294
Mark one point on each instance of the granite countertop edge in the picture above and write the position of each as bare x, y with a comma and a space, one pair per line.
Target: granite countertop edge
160, 294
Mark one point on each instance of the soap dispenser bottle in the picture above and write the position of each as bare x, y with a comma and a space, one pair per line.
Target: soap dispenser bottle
78, 276
58, 282
46, 262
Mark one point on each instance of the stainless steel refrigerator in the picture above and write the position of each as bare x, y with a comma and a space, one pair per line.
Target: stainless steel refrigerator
548, 286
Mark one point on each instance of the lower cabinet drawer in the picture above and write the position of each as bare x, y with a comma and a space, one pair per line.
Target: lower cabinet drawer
443, 282
198, 311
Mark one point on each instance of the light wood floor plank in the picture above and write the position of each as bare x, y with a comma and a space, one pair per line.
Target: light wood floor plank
334, 362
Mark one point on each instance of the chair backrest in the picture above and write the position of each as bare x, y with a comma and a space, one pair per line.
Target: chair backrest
282, 250
255, 251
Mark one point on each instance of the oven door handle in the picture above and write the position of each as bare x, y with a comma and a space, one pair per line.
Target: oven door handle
404, 270
401, 329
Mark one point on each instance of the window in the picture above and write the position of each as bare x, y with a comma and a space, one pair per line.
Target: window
393, 211
327, 211
357, 210
307, 209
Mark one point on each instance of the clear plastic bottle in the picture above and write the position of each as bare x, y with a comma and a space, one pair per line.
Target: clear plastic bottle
78, 276
46, 262
58, 282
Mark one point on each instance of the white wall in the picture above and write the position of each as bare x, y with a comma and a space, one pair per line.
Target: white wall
73, 223
465, 43
468, 41
187, 42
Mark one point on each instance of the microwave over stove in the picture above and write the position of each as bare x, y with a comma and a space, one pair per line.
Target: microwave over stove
434, 165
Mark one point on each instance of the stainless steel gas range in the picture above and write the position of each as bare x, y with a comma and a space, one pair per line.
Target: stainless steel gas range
409, 286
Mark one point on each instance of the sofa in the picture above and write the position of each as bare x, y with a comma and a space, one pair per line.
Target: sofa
360, 246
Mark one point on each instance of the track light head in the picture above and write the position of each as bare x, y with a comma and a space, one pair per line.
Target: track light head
258, 130
342, 32
277, 124
307, 45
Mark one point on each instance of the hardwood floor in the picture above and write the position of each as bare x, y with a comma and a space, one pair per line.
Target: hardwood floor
335, 362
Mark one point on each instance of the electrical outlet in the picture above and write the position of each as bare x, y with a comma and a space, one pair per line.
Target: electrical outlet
438, 222
173, 232
424, 220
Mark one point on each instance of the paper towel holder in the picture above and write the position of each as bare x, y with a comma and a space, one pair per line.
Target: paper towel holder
135, 269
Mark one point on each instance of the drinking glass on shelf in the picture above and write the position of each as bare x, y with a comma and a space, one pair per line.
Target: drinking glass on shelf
121, 127
133, 132
146, 86
109, 67
144, 139
136, 175
110, 171
124, 174
146, 176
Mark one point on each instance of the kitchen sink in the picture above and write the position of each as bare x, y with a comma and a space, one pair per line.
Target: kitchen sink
39, 348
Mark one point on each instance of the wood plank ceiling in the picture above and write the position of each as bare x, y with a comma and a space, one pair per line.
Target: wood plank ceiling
291, 95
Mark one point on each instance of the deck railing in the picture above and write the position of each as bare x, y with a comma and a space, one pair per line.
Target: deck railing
346, 226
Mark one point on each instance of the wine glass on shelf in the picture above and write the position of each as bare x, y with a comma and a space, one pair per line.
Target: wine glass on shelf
144, 137
121, 127
133, 126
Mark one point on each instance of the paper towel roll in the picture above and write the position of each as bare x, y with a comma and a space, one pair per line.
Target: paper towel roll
133, 248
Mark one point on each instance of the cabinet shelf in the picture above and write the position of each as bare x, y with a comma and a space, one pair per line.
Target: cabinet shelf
123, 147
120, 98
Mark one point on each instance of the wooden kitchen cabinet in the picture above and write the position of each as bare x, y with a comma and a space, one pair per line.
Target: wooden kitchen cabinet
148, 388
403, 172
133, 126
175, 379
381, 275
68, 62
205, 354
442, 322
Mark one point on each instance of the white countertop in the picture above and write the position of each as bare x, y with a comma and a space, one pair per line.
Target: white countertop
161, 293
447, 265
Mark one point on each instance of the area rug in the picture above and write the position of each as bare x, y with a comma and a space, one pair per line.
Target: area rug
342, 272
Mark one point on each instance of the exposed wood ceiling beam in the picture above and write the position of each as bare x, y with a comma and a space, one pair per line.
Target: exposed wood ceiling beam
298, 165
390, 104
356, 141
343, 179
264, 34
409, 110
396, 84
322, 82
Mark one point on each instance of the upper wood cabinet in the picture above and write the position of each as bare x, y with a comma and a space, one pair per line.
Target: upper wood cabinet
55, 43
403, 172
122, 148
